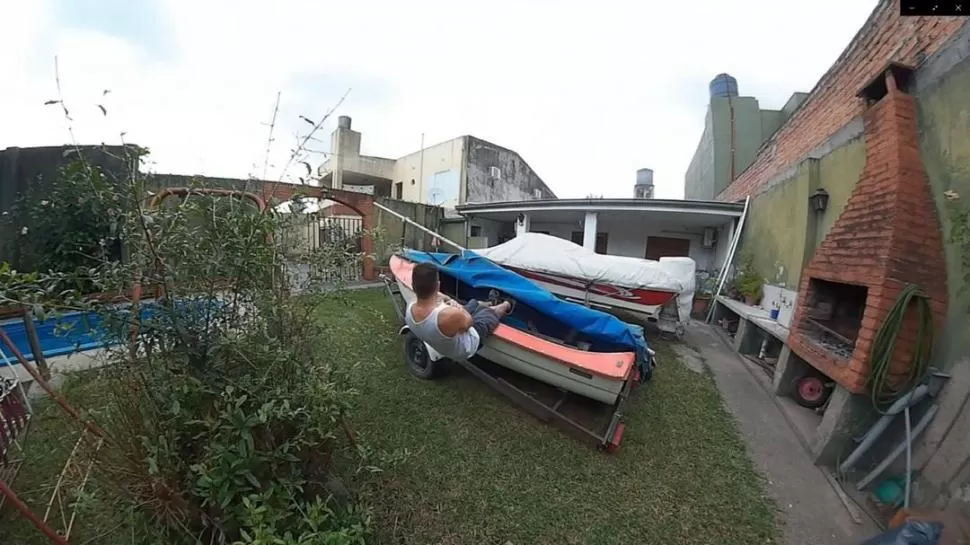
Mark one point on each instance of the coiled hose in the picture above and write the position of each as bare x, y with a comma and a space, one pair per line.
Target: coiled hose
884, 347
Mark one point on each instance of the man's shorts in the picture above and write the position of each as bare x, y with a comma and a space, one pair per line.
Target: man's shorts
484, 319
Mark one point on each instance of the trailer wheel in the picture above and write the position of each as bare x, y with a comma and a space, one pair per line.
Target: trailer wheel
418, 360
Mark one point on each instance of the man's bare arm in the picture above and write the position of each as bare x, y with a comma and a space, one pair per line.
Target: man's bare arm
452, 321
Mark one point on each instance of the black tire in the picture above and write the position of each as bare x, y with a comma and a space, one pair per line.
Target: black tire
418, 360
810, 391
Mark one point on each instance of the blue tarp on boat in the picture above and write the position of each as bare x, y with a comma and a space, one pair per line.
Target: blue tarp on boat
471, 276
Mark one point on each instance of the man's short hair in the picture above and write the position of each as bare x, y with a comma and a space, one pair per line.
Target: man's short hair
424, 280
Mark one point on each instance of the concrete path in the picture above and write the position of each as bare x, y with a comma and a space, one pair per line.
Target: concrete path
809, 507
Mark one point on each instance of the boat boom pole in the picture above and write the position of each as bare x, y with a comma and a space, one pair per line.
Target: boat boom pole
418, 225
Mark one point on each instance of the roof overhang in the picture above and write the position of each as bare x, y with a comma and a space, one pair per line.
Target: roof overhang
709, 212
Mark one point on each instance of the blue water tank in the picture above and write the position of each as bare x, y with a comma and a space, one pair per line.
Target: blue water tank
724, 85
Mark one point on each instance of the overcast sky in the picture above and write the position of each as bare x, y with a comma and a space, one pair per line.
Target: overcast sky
586, 92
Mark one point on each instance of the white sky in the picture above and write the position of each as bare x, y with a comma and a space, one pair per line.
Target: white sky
586, 92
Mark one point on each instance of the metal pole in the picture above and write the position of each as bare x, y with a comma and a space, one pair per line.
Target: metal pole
418, 225
421, 172
729, 259
19, 505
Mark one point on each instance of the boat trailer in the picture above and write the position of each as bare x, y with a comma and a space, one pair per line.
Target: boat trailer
423, 365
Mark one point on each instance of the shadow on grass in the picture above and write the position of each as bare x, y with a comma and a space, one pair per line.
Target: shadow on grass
482, 471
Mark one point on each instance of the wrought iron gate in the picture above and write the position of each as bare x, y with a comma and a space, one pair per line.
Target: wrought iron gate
341, 237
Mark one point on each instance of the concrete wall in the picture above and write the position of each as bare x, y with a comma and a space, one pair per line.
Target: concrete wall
710, 170
432, 177
394, 232
944, 118
517, 182
24, 170
699, 179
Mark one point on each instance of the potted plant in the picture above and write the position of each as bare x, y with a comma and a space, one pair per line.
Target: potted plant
704, 294
748, 281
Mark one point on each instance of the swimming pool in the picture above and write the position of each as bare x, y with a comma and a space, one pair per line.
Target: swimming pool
79, 331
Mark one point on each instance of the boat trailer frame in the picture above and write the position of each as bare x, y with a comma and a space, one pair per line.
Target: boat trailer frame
609, 440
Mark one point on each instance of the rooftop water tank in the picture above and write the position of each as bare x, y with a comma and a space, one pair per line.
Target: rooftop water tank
344, 121
644, 186
724, 85
645, 176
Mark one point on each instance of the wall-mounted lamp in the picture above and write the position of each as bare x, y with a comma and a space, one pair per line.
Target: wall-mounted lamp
819, 200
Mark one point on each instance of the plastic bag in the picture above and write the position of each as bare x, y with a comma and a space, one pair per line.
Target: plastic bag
910, 533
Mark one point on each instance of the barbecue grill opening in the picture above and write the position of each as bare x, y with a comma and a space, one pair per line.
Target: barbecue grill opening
834, 315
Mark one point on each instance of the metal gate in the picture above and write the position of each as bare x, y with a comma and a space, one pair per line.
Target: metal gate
341, 238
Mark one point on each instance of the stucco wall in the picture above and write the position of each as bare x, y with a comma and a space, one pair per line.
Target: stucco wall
944, 119
710, 169
517, 182
699, 179
433, 177
782, 232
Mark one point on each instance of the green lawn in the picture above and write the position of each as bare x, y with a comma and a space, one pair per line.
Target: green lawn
481, 471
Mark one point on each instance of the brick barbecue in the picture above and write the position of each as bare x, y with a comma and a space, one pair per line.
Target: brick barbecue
888, 235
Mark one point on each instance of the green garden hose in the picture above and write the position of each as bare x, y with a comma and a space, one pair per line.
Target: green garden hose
884, 347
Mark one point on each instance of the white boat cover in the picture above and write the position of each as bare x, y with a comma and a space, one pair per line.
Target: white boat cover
553, 255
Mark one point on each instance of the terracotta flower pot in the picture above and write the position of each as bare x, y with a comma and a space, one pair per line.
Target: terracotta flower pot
700, 307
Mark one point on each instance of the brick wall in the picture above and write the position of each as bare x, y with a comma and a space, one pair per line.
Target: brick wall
887, 236
832, 103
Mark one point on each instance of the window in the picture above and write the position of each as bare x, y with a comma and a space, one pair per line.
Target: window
658, 247
537, 193
495, 172
399, 190
475, 231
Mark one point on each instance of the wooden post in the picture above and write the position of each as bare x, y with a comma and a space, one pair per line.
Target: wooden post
34, 341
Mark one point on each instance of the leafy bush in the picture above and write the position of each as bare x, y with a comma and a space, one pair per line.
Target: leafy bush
748, 281
226, 417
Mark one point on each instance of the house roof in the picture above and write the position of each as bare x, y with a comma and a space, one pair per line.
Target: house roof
658, 210
717, 208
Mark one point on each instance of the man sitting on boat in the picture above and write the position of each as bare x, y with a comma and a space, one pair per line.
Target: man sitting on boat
453, 330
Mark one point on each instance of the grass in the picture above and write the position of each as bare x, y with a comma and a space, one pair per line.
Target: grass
480, 470
50, 439
483, 471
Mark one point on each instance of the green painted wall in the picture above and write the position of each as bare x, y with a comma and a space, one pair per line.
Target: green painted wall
699, 178
710, 170
771, 121
748, 135
838, 174
721, 130
777, 227
944, 119
782, 233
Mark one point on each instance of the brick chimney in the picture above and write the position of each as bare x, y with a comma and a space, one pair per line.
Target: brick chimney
887, 236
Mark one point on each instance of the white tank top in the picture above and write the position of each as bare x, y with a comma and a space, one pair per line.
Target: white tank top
460, 347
